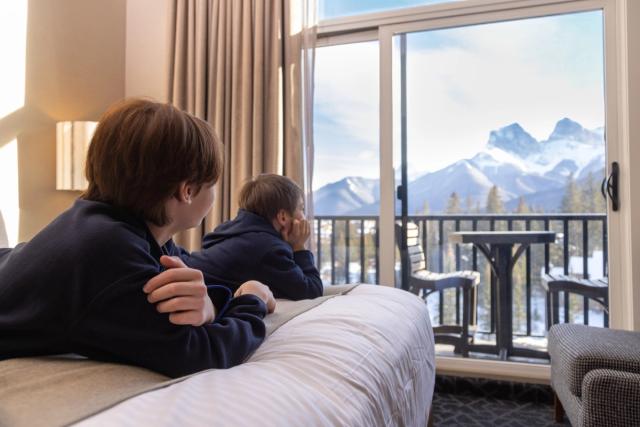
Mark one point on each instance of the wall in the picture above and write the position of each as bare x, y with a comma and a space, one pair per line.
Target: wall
75, 67
148, 49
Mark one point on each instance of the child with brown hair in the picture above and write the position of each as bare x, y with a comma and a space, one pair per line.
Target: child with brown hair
265, 242
105, 280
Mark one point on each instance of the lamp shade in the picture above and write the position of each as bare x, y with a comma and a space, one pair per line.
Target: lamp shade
72, 143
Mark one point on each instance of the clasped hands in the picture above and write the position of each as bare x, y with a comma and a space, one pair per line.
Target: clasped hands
298, 234
181, 292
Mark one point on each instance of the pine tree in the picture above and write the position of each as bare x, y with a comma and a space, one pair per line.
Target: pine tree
593, 202
591, 195
341, 249
522, 206
453, 205
425, 208
519, 276
571, 200
468, 204
494, 202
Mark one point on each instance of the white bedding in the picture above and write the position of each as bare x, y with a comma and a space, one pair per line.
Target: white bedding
361, 359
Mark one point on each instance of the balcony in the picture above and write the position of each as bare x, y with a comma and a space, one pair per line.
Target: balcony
347, 252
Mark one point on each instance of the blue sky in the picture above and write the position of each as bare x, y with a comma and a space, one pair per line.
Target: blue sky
337, 8
463, 83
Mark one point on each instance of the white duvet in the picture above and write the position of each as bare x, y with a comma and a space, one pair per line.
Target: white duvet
361, 359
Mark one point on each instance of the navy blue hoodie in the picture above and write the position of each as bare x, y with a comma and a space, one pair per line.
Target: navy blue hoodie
76, 287
249, 248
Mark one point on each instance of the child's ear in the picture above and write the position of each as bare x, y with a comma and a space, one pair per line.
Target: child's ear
185, 192
281, 217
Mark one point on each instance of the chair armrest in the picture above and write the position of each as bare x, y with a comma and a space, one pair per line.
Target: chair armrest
577, 349
610, 398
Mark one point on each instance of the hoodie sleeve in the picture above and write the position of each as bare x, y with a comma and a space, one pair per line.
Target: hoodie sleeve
291, 275
121, 325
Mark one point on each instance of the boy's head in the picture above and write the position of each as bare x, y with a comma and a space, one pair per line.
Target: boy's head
145, 153
274, 197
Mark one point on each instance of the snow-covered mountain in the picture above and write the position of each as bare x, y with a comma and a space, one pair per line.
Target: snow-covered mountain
510, 173
511, 159
568, 141
344, 196
435, 188
514, 139
568, 130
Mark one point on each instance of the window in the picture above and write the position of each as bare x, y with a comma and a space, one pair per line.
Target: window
346, 171
339, 8
508, 98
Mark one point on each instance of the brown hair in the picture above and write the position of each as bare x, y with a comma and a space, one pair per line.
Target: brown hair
266, 194
142, 150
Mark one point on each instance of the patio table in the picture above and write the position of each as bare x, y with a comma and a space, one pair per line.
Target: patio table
497, 247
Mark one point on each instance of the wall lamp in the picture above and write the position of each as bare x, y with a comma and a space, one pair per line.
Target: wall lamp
72, 143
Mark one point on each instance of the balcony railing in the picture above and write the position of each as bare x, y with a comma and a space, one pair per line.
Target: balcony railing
347, 251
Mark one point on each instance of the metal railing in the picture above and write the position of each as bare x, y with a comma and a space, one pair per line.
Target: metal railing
347, 250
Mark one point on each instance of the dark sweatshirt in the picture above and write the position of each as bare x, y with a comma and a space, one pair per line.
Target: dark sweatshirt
249, 248
76, 287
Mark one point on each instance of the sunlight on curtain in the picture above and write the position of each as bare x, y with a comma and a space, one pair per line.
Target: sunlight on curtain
9, 202
13, 47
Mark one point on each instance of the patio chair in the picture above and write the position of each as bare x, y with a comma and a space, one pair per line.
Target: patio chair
423, 283
595, 374
596, 289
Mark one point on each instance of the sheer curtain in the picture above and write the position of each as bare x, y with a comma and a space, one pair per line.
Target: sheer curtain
309, 33
4, 240
245, 66
301, 48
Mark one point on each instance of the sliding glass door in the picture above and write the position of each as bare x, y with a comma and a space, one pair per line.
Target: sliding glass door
500, 125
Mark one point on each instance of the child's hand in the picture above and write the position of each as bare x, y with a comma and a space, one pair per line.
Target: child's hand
180, 291
260, 290
298, 235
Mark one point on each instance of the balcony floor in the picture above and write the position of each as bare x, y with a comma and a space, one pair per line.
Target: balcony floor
533, 343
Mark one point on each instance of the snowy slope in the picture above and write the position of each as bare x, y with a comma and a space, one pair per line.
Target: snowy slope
511, 159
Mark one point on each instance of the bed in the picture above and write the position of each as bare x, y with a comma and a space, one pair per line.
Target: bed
361, 356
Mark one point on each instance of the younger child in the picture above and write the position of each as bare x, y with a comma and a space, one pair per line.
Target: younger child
265, 242
104, 279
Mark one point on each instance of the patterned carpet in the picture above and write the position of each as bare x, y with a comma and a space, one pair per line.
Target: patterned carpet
479, 402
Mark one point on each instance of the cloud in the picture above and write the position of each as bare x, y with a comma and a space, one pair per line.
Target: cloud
461, 84
494, 75
347, 88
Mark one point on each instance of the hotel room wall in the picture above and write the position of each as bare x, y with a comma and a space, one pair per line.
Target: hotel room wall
148, 49
74, 69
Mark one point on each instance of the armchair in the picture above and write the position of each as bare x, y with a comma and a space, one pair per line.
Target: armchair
595, 374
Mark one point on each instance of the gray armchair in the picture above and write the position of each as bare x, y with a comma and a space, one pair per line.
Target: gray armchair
595, 373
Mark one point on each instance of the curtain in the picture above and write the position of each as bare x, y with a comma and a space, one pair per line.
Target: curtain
239, 65
305, 30
4, 240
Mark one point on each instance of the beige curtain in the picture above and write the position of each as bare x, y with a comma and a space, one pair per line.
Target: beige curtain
238, 65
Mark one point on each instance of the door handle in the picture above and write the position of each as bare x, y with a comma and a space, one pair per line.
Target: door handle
400, 194
609, 186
